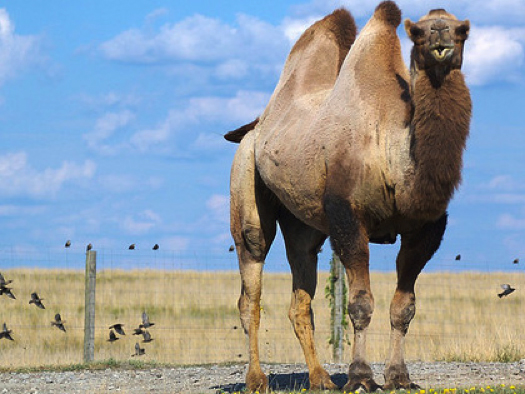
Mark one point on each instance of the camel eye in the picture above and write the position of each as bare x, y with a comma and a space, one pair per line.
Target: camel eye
416, 31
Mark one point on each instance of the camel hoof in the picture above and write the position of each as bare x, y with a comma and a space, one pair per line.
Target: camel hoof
407, 385
363, 386
256, 381
320, 380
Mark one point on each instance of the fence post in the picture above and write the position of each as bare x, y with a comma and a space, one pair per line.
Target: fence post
89, 310
338, 275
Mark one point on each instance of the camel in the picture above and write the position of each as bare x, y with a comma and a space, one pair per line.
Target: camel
355, 147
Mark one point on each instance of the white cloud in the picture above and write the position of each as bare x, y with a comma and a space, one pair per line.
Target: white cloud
494, 54
509, 222
219, 207
241, 108
196, 38
17, 52
105, 127
19, 178
142, 223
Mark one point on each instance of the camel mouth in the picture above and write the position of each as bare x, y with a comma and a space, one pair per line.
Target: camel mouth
442, 52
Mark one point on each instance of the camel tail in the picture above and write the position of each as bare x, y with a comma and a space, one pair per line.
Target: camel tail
389, 12
238, 134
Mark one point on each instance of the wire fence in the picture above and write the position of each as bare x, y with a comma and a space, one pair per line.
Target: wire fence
192, 300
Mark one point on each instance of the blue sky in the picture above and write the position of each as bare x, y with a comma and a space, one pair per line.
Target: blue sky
112, 115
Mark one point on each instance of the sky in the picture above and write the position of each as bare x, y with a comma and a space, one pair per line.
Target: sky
112, 116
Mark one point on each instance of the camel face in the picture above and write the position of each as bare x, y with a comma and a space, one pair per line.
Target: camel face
438, 39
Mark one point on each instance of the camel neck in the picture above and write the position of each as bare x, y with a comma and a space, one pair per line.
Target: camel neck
440, 129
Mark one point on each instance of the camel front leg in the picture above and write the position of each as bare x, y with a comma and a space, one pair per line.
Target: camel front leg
416, 249
350, 242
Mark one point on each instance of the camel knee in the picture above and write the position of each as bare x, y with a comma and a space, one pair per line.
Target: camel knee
402, 311
360, 309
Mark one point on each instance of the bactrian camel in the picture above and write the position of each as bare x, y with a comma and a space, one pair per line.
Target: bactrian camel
355, 147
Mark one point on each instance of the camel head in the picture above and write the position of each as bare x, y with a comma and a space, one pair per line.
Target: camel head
438, 39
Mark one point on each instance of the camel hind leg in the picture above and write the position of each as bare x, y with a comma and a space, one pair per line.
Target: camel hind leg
253, 227
302, 245
416, 249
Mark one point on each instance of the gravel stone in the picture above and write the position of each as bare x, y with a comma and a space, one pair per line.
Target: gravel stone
230, 378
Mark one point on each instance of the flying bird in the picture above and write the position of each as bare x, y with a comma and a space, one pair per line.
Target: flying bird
131, 247
458, 257
58, 322
156, 247
35, 299
138, 331
138, 350
89, 247
4, 282
118, 328
232, 248
516, 261
68, 244
145, 321
112, 336
7, 291
5, 333
506, 290
147, 337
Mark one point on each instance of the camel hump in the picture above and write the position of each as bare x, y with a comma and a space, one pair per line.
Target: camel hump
238, 134
389, 12
339, 23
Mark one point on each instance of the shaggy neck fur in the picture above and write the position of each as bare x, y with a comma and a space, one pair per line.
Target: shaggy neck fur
440, 126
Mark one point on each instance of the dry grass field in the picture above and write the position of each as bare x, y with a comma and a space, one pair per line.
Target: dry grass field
459, 317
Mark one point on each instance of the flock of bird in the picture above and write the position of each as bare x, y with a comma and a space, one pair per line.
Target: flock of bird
117, 328
59, 323
35, 299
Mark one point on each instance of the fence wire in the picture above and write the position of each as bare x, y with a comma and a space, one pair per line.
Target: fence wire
192, 300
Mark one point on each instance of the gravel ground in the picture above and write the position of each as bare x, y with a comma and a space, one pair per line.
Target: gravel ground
229, 379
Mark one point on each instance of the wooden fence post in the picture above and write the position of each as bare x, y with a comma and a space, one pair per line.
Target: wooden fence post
89, 311
339, 310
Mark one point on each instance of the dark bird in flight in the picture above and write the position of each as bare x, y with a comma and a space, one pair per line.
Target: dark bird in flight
232, 248
506, 290
89, 247
516, 261
156, 247
5, 333
58, 322
138, 331
3, 282
145, 321
131, 247
118, 328
458, 257
138, 350
68, 243
147, 337
112, 336
35, 299
7, 292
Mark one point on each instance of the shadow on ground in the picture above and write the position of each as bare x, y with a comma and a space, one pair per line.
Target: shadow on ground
283, 382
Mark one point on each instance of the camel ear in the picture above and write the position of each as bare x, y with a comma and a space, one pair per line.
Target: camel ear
413, 31
463, 30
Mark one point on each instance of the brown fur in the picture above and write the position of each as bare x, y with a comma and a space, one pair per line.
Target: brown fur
360, 150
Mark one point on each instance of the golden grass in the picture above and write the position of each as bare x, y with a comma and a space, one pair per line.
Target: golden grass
459, 317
